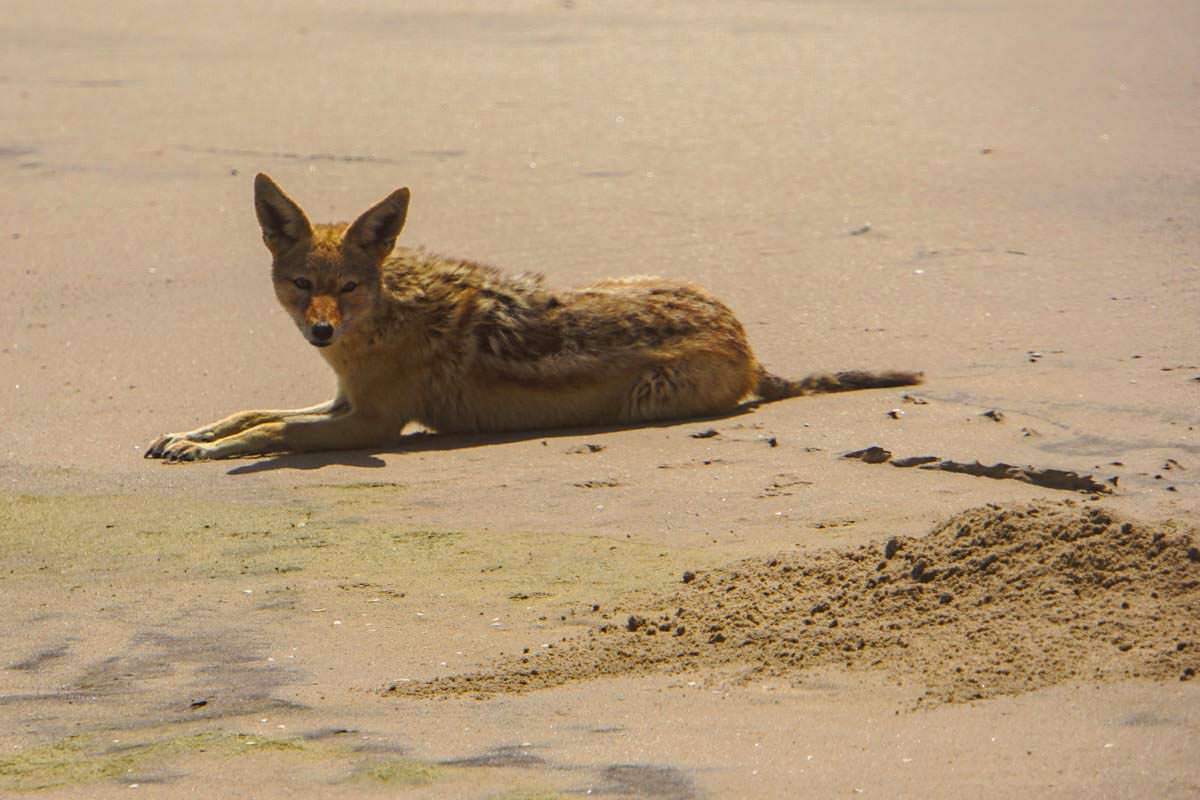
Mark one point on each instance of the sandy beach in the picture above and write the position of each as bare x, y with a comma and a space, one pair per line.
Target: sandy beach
998, 596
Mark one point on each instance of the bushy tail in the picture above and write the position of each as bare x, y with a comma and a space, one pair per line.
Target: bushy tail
772, 387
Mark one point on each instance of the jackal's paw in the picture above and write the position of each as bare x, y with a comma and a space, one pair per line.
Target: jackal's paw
159, 446
186, 450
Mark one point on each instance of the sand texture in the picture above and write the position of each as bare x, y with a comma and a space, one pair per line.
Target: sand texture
982, 586
994, 601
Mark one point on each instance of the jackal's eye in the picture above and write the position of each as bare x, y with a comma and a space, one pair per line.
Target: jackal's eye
302, 283
349, 286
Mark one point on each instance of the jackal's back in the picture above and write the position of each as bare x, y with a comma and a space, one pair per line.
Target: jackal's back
511, 353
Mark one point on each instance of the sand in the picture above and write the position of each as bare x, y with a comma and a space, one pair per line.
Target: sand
1001, 196
994, 601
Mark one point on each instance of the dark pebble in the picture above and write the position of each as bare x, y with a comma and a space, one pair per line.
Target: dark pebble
871, 455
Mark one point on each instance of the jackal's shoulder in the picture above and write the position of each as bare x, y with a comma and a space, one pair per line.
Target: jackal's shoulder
463, 306
418, 275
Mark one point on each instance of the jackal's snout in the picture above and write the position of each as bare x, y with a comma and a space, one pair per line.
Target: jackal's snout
322, 321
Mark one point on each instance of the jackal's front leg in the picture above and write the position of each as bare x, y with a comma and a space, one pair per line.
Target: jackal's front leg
236, 423
297, 434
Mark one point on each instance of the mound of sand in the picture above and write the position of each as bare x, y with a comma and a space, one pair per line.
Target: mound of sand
998, 600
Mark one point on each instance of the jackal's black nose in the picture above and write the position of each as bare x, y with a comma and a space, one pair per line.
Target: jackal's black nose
322, 331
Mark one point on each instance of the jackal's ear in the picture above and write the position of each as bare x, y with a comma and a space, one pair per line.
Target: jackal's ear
283, 223
376, 230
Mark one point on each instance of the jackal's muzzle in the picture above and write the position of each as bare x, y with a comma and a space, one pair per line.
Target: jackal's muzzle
322, 320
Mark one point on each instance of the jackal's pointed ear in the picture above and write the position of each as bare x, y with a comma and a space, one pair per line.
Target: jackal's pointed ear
283, 223
376, 230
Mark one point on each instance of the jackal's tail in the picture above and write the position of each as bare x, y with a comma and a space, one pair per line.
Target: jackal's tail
772, 387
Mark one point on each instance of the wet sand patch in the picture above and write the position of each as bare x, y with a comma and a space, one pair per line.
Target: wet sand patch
164, 624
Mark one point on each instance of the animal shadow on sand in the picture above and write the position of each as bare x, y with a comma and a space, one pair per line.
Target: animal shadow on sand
424, 442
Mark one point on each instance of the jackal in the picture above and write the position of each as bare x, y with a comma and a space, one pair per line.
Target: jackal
457, 346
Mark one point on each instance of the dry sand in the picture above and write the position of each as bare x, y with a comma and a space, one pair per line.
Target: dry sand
1003, 196
995, 601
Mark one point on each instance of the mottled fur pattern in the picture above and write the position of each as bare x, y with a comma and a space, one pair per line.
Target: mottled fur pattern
458, 346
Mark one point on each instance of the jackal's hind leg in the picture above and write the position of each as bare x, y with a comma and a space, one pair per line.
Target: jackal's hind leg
697, 386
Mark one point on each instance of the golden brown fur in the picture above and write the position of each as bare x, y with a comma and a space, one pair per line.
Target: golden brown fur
457, 346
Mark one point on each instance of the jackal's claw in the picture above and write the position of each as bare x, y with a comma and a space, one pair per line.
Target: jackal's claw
156, 448
184, 450
159, 446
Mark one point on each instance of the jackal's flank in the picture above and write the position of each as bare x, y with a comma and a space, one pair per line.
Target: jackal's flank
457, 346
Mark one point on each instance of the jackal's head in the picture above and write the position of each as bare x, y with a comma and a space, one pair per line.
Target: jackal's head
326, 276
